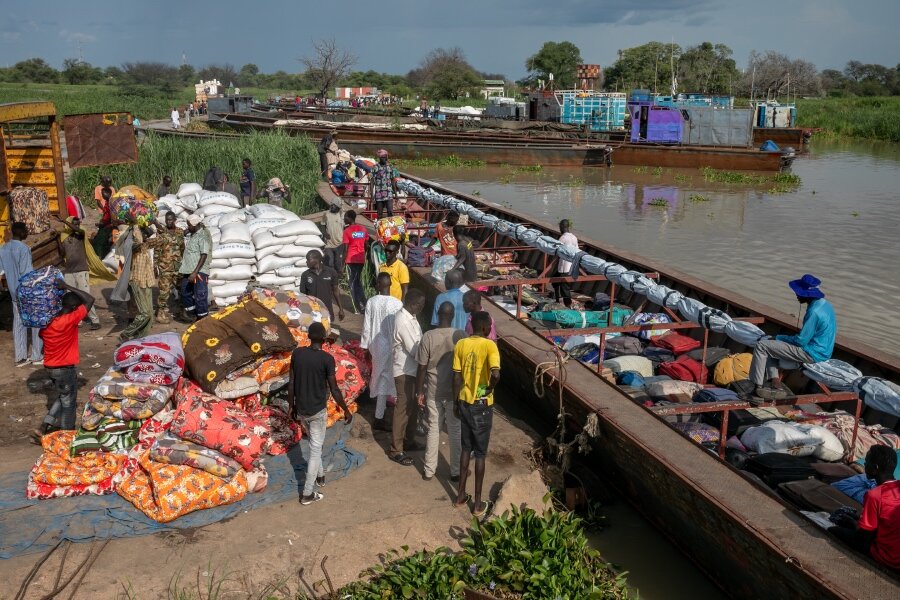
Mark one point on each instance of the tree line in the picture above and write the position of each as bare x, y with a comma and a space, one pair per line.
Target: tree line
446, 73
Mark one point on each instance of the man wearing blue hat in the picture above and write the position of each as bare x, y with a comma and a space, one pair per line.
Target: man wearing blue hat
814, 343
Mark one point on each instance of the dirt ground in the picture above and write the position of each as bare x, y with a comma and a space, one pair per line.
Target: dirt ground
377, 507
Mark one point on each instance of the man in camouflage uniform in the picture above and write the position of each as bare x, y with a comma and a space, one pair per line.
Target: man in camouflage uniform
168, 246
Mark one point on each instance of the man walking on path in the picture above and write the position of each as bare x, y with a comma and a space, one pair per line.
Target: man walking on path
312, 377
194, 270
176, 119
354, 240
407, 334
814, 343
321, 281
61, 358
168, 247
334, 237
75, 262
15, 260
434, 389
377, 340
561, 289
476, 368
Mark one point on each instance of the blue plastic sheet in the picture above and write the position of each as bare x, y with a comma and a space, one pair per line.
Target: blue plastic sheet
29, 526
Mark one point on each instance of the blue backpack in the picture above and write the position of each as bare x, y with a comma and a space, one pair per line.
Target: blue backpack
632, 378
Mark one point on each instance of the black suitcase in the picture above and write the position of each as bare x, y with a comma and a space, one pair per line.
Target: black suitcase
817, 496
738, 421
713, 355
775, 468
743, 388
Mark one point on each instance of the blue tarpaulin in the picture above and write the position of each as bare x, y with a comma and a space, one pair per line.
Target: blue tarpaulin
28, 526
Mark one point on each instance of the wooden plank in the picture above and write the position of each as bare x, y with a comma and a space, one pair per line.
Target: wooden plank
32, 152
32, 178
19, 163
16, 111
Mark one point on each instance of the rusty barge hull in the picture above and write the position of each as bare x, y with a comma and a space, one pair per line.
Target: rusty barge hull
523, 149
748, 541
795, 137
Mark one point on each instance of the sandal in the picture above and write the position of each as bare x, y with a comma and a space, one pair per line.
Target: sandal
402, 459
488, 507
463, 503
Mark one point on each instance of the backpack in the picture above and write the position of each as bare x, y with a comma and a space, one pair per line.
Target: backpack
630, 378
419, 256
713, 355
676, 342
684, 368
622, 346
732, 368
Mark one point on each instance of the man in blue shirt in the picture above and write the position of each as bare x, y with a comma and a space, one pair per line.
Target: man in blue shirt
814, 343
453, 281
15, 261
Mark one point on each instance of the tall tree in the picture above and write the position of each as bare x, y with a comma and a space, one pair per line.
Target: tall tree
155, 74
445, 73
559, 58
225, 73
708, 69
327, 65
646, 67
76, 72
248, 75
771, 74
34, 70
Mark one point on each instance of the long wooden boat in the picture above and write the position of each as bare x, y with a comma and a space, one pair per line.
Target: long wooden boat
748, 541
475, 145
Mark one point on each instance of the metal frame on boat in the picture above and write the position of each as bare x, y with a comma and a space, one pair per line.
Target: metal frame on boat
749, 541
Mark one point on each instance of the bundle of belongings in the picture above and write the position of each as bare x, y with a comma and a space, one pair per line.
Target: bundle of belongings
262, 244
180, 424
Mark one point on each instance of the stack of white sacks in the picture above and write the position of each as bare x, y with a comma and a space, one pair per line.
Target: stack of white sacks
262, 243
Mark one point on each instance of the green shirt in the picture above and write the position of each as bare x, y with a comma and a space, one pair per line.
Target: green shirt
198, 243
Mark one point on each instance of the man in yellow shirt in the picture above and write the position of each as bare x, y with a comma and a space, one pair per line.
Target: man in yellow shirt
396, 268
476, 371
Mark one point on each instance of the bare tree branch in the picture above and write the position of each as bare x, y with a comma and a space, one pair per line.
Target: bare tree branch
327, 65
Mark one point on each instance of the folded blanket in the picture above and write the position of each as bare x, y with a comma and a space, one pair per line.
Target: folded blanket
111, 435
347, 372
172, 450
219, 424
293, 308
58, 474
117, 397
157, 359
232, 338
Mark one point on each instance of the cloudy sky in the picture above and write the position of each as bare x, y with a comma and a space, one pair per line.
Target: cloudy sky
393, 35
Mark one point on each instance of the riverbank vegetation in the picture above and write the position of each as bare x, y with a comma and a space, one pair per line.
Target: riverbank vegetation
781, 182
293, 159
874, 118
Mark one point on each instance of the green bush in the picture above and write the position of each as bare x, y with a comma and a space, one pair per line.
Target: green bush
519, 554
277, 154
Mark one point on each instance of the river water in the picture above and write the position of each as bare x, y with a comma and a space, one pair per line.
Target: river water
842, 224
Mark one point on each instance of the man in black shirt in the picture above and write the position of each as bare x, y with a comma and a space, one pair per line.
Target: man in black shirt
163, 189
311, 378
321, 281
465, 255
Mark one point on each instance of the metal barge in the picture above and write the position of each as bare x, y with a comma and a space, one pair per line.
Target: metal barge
516, 149
748, 541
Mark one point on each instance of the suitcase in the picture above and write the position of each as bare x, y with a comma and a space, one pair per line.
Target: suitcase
420, 256
658, 355
831, 472
713, 355
676, 342
775, 468
622, 346
815, 495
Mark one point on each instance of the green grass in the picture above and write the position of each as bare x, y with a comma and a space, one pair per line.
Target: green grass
445, 162
659, 202
698, 198
781, 182
293, 159
78, 99
875, 118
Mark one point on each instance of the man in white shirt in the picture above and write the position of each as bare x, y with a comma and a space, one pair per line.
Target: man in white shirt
407, 336
561, 289
378, 342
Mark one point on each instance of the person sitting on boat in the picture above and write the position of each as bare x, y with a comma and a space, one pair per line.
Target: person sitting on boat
877, 534
814, 343
275, 193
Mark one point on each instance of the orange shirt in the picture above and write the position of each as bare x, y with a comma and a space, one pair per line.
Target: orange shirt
61, 339
448, 240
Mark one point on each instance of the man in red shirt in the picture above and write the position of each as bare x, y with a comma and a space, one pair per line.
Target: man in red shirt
878, 531
444, 233
355, 238
61, 357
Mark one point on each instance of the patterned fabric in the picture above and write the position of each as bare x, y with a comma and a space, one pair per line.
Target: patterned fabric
232, 338
133, 205
168, 246
57, 473
285, 431
383, 182
347, 374
115, 396
442, 265
272, 367
362, 361
156, 359
165, 492
644, 318
698, 432
31, 206
38, 298
840, 424
219, 424
172, 450
293, 308
111, 435
390, 228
